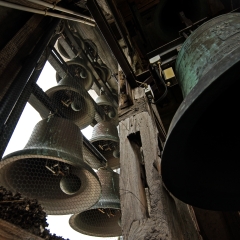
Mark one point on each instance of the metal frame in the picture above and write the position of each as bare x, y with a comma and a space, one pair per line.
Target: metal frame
17, 95
16, 88
97, 80
24, 85
106, 31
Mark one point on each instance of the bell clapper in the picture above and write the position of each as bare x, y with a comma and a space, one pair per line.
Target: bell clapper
66, 103
101, 210
110, 212
58, 170
76, 104
106, 146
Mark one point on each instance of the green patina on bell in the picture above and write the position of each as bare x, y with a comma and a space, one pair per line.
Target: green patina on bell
101, 220
51, 169
73, 100
200, 163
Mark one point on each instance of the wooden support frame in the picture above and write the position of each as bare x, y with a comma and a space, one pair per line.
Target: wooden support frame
164, 217
9, 231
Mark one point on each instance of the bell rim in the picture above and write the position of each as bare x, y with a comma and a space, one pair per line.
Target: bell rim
26, 153
103, 138
107, 71
103, 102
102, 74
195, 100
31, 153
76, 228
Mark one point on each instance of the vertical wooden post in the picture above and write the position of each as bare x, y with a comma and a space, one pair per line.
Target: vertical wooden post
140, 162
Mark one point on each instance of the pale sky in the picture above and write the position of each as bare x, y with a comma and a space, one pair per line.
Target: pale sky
57, 224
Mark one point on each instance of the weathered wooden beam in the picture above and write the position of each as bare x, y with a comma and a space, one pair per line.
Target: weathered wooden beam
9, 231
132, 192
124, 91
168, 218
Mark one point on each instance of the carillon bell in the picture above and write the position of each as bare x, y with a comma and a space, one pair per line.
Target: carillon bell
101, 220
61, 49
100, 71
107, 106
107, 71
167, 21
200, 163
81, 72
105, 139
51, 169
90, 48
74, 101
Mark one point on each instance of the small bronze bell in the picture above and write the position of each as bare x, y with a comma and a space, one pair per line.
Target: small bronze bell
51, 169
61, 49
101, 220
74, 102
81, 72
100, 71
107, 71
103, 101
105, 139
90, 48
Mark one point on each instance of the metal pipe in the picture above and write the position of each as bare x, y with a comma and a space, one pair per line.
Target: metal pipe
55, 7
24, 76
42, 12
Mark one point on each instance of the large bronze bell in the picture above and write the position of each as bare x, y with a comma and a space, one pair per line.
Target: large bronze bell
74, 102
200, 163
51, 169
167, 20
102, 219
81, 72
105, 139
